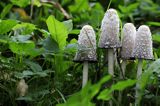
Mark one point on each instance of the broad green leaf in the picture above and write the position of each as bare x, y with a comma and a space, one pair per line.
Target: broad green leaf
21, 3
6, 10
7, 25
22, 48
50, 45
24, 28
121, 85
69, 25
58, 31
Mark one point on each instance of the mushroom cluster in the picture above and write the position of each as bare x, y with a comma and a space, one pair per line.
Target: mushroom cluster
134, 44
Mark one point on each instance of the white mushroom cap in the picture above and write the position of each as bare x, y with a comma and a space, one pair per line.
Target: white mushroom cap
87, 45
143, 43
109, 37
129, 34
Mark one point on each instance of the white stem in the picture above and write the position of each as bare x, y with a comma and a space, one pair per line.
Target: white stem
123, 68
85, 73
139, 73
111, 66
111, 62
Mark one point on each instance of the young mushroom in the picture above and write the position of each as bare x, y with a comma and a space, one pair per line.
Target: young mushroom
109, 37
129, 34
142, 50
22, 87
86, 50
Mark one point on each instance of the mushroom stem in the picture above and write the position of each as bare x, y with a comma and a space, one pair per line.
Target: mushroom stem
85, 73
111, 62
139, 73
123, 69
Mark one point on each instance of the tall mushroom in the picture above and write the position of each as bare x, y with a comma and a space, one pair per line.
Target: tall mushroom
129, 34
109, 37
142, 50
128, 38
86, 50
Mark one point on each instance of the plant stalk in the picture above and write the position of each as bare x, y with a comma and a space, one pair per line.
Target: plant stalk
122, 76
85, 73
139, 73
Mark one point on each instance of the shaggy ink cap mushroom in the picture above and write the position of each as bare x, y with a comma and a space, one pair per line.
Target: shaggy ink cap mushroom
109, 37
129, 34
143, 43
86, 45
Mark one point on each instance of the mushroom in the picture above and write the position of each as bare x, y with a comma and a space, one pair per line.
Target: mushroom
22, 87
129, 34
109, 37
142, 50
86, 50
143, 47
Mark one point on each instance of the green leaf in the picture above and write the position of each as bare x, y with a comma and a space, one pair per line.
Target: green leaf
34, 66
105, 95
75, 31
58, 31
84, 97
153, 23
121, 85
97, 14
156, 38
128, 9
69, 25
24, 28
79, 6
7, 25
22, 48
37, 3
50, 45
6, 10
154, 67
21, 3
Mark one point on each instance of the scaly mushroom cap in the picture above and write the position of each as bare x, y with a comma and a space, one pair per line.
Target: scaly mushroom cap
109, 37
129, 34
143, 43
86, 45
